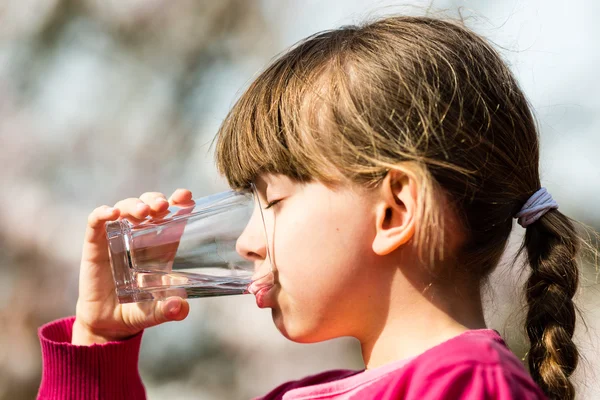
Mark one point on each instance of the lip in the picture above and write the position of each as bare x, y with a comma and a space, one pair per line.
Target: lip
263, 300
261, 287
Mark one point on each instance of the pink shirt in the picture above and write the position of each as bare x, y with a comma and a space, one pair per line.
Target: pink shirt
474, 365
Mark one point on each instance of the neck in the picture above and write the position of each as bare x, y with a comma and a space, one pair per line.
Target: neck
418, 320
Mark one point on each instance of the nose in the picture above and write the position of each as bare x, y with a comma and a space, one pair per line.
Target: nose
251, 244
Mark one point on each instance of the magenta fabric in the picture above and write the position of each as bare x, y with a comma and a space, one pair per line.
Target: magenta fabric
99, 371
474, 365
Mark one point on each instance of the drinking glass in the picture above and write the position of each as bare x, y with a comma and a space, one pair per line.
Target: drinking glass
188, 252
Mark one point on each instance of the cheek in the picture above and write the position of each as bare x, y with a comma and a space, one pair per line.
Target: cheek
320, 249
319, 259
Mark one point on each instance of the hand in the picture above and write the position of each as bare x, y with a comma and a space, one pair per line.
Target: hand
99, 316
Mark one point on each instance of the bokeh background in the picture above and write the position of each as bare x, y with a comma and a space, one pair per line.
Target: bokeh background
106, 99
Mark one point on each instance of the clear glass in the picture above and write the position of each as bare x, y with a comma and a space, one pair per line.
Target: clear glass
189, 252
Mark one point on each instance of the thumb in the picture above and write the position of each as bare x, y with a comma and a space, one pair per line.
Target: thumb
172, 309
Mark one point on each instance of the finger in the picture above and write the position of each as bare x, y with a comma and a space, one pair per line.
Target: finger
157, 202
97, 220
181, 197
171, 309
133, 209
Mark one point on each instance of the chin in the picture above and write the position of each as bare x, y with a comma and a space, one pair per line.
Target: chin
297, 330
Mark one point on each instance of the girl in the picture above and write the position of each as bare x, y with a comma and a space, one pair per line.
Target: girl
393, 157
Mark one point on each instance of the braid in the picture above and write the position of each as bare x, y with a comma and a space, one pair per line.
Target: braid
552, 245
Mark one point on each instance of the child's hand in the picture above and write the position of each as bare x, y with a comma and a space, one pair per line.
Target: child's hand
99, 316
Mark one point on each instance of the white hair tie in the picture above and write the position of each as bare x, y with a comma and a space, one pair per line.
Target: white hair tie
538, 204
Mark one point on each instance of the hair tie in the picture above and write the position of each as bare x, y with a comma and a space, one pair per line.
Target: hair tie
538, 204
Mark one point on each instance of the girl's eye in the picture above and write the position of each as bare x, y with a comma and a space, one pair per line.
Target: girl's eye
271, 204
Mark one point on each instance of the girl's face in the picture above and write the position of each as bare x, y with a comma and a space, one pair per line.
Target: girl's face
320, 243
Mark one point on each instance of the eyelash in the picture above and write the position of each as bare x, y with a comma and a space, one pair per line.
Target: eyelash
271, 204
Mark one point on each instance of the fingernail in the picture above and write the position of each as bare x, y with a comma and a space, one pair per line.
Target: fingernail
140, 206
173, 307
161, 200
109, 210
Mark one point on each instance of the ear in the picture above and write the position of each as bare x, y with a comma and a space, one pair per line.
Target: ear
395, 211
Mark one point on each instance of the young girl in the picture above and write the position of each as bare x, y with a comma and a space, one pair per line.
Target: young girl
393, 158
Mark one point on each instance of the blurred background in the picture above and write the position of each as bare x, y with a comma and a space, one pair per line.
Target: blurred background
106, 99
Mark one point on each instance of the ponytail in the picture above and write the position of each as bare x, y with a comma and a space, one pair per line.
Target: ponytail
552, 246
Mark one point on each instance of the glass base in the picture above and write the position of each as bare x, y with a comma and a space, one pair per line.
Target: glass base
184, 292
207, 286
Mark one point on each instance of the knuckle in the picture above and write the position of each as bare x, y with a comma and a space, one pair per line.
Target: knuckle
181, 193
96, 211
93, 216
125, 202
151, 195
92, 219
157, 314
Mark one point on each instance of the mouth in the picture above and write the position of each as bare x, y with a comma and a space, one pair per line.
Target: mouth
262, 296
260, 288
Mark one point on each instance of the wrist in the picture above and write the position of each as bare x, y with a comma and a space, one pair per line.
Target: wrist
83, 336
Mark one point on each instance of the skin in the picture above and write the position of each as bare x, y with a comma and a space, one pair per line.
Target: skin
99, 318
345, 266
343, 261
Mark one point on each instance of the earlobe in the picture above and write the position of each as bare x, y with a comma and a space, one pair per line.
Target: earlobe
395, 212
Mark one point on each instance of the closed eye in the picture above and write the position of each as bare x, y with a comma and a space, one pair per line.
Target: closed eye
272, 203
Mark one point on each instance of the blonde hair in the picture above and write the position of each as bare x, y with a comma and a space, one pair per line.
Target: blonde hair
435, 98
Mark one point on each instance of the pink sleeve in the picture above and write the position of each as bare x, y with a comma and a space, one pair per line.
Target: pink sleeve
462, 382
107, 371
